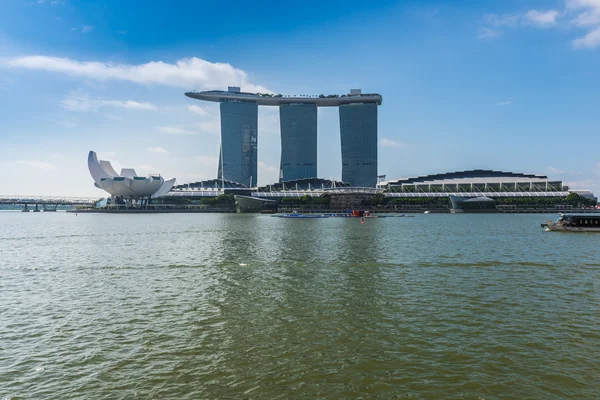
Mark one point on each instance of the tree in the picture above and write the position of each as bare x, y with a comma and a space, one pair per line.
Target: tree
575, 199
225, 199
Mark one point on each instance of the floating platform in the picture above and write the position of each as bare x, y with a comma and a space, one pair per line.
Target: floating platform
300, 216
333, 215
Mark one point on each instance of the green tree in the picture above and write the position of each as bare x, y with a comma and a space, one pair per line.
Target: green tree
576, 199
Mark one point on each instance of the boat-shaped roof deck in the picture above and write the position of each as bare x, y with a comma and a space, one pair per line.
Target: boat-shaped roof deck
268, 99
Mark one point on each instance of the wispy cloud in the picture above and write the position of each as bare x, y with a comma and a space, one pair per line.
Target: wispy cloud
122, 32
173, 130
82, 102
579, 13
501, 19
37, 164
186, 73
106, 154
504, 103
157, 150
542, 18
207, 161
589, 41
196, 109
267, 173
535, 17
149, 169
129, 104
64, 121
556, 170
588, 17
488, 33
212, 127
83, 29
384, 142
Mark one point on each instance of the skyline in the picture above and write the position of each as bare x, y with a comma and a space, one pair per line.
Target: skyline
490, 85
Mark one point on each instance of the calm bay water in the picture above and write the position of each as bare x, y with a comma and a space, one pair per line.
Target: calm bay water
246, 306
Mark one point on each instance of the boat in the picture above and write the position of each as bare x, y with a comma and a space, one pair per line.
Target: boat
574, 223
297, 215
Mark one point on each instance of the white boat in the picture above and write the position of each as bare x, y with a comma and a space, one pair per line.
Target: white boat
574, 223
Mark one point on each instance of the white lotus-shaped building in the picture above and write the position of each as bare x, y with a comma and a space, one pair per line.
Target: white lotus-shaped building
126, 185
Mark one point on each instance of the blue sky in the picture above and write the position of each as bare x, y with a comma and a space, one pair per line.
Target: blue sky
511, 85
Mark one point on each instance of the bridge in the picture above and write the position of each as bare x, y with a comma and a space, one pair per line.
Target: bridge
47, 203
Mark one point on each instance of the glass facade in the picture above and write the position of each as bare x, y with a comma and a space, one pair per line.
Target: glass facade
239, 142
358, 129
298, 123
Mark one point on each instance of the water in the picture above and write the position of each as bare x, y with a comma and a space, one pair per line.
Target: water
241, 306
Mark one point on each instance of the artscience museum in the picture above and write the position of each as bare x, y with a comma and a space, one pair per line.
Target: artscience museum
126, 186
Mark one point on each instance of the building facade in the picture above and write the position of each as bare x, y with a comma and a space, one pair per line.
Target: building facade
238, 159
298, 123
358, 130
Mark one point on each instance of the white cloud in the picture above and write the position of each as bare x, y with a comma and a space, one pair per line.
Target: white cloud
556, 170
267, 173
83, 29
207, 161
488, 33
158, 150
536, 17
582, 13
103, 155
64, 121
186, 73
583, 184
81, 102
37, 164
130, 104
583, 3
196, 109
173, 130
587, 18
542, 18
384, 142
501, 19
149, 169
268, 121
589, 41
211, 127
504, 103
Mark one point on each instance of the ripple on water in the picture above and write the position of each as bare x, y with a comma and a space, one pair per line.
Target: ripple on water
229, 306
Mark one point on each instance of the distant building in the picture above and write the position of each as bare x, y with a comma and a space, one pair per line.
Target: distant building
358, 130
127, 185
239, 142
477, 182
298, 123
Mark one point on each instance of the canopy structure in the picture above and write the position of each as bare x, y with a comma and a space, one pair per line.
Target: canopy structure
127, 184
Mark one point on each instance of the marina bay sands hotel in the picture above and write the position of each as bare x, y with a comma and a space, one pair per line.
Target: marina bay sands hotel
298, 121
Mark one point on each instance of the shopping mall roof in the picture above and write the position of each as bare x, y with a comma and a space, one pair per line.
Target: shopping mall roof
475, 176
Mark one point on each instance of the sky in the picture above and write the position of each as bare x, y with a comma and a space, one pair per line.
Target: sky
504, 85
